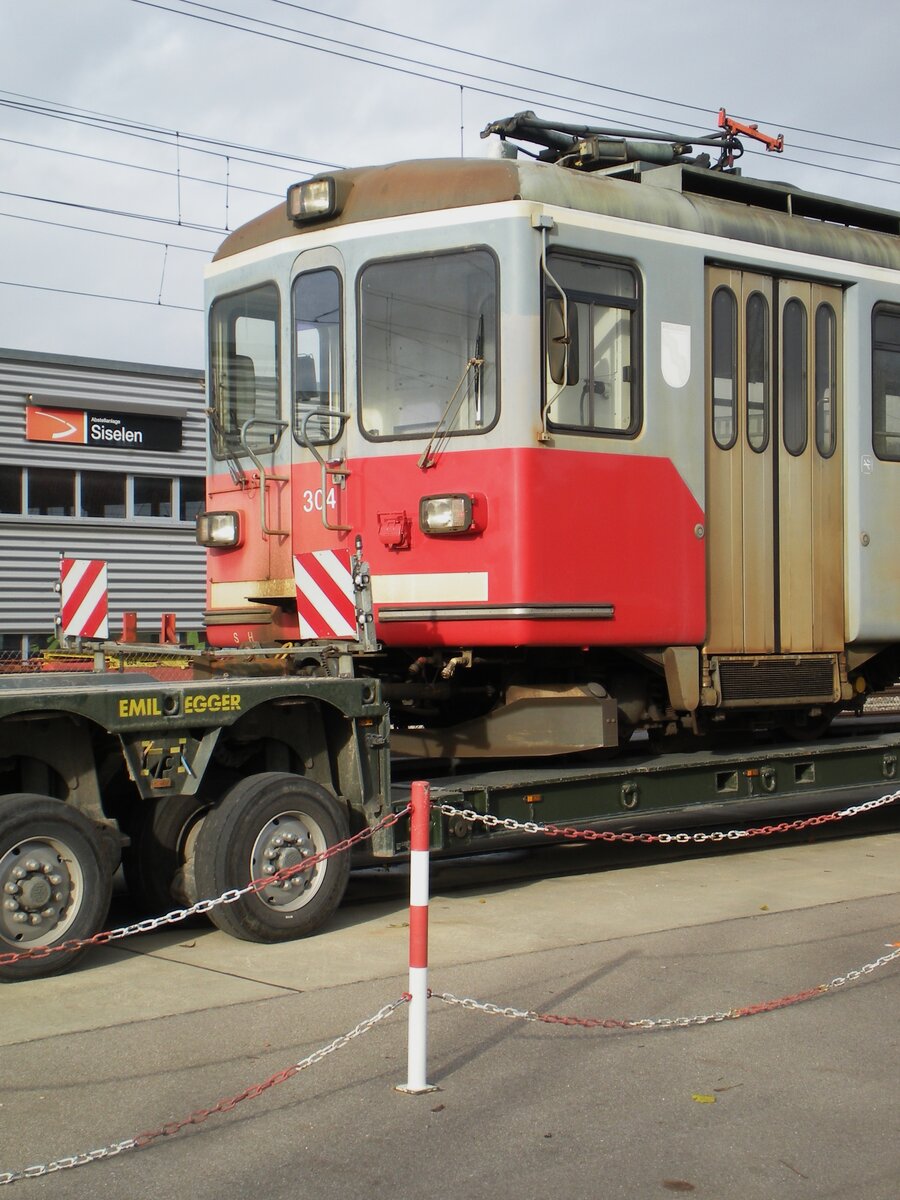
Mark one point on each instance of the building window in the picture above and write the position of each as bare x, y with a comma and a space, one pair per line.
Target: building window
10, 489
152, 496
51, 493
102, 495
191, 497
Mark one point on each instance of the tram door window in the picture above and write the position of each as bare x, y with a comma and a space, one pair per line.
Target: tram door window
759, 382
724, 367
318, 355
773, 502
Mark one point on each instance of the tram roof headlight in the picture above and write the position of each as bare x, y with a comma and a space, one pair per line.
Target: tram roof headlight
312, 200
218, 529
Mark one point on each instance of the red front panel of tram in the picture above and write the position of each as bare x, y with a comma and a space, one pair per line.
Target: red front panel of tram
559, 527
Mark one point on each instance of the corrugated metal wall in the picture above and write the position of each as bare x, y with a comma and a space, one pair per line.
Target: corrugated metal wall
155, 566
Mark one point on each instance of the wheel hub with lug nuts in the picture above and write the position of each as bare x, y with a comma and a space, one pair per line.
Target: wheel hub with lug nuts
37, 891
285, 842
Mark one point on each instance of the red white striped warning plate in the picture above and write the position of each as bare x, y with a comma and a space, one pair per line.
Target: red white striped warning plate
326, 600
84, 600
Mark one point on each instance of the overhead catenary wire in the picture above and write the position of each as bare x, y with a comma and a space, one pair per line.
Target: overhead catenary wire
570, 104
133, 166
129, 127
127, 237
503, 62
38, 287
116, 212
457, 77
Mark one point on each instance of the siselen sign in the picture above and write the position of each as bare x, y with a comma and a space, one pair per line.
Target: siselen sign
123, 431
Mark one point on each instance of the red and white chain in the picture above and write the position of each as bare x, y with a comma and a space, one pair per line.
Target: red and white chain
664, 839
204, 906
200, 1115
649, 1023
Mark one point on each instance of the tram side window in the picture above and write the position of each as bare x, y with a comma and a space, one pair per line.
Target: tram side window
886, 384
244, 368
794, 376
758, 372
724, 368
428, 345
591, 387
318, 375
826, 350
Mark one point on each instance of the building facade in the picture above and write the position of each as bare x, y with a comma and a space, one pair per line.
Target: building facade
101, 460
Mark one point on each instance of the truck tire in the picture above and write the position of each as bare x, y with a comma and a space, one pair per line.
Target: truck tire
155, 862
263, 824
55, 882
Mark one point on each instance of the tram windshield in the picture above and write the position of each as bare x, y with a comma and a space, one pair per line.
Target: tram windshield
244, 369
428, 345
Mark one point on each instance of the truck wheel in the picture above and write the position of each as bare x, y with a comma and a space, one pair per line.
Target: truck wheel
55, 885
161, 845
264, 824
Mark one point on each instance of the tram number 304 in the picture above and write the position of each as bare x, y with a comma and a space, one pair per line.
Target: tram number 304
314, 501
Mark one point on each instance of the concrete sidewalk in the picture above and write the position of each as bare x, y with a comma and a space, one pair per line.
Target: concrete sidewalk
799, 1102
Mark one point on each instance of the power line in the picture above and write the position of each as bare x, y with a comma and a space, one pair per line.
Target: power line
434, 78
406, 37
37, 287
115, 162
157, 134
128, 237
115, 212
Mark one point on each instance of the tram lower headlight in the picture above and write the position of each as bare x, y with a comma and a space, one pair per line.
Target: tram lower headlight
218, 529
447, 514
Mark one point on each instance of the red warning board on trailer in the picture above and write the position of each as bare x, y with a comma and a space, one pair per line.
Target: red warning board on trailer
326, 599
84, 599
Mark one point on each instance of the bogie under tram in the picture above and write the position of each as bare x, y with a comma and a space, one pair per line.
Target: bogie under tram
618, 432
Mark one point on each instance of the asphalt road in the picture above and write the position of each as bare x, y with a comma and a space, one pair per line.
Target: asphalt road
798, 1102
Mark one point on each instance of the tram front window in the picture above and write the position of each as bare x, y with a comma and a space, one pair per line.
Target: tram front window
244, 368
428, 345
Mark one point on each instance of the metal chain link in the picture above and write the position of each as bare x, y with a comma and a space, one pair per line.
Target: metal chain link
200, 1115
650, 1023
663, 839
204, 906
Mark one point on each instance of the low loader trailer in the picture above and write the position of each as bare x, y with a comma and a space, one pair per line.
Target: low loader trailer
249, 765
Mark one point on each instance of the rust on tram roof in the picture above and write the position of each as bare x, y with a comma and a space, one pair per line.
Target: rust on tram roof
391, 191
677, 197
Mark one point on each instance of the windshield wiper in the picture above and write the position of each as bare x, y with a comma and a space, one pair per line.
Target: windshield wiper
436, 442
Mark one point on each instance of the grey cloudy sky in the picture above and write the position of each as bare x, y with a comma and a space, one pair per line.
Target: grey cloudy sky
102, 103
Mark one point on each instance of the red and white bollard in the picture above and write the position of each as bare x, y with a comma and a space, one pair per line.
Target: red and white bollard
419, 842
